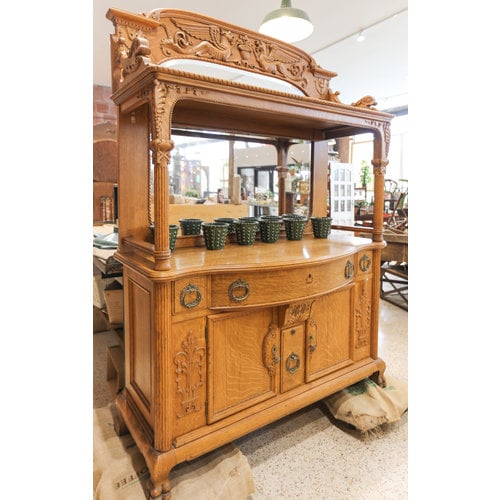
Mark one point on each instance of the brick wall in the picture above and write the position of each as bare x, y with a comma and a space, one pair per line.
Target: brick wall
105, 156
104, 107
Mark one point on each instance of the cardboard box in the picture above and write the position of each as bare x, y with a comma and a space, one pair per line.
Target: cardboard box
115, 369
113, 297
100, 322
100, 284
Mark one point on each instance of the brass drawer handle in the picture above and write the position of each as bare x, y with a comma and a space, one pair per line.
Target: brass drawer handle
349, 269
292, 363
238, 285
188, 290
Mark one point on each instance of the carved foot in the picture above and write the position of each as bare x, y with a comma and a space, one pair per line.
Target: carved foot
118, 422
379, 379
160, 492
378, 376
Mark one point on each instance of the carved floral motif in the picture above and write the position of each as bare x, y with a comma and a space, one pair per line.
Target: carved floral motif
362, 315
161, 144
379, 166
296, 313
189, 365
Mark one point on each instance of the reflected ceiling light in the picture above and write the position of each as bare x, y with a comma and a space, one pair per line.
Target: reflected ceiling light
361, 37
287, 24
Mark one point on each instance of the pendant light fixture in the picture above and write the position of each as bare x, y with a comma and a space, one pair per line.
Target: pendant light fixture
287, 24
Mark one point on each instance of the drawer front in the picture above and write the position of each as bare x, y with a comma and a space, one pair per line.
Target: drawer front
190, 294
278, 287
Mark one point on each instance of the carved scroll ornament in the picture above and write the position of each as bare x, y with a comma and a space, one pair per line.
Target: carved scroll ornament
367, 101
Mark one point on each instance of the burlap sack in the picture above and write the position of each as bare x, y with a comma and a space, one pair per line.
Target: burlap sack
120, 472
366, 405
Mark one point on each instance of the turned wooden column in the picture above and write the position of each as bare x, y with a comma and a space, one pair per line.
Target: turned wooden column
161, 145
379, 162
343, 149
282, 169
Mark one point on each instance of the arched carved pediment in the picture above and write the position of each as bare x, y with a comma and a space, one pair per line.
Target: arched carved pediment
169, 34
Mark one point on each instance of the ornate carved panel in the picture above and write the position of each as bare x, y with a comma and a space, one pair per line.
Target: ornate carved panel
172, 34
295, 313
362, 315
189, 375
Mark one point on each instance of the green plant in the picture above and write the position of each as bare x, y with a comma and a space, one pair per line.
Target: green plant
192, 194
365, 175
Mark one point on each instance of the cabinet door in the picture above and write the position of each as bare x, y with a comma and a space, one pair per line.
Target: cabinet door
292, 357
328, 336
243, 354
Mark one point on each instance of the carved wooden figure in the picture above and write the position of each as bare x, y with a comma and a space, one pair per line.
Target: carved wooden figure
220, 343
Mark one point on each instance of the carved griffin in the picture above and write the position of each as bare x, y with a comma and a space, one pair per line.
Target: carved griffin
214, 43
276, 61
365, 102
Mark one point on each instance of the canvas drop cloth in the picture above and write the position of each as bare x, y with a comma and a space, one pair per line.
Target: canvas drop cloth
120, 472
367, 406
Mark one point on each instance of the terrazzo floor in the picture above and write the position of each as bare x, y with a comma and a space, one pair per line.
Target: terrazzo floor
309, 454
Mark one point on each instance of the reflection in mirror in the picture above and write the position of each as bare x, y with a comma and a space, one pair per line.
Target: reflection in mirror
236, 75
209, 168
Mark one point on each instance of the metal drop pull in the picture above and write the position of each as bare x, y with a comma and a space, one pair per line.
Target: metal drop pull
187, 292
238, 286
292, 363
349, 269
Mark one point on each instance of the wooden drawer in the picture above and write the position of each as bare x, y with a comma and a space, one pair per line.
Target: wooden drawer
278, 287
190, 294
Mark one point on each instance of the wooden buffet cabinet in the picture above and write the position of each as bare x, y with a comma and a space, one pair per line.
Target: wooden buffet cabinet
220, 343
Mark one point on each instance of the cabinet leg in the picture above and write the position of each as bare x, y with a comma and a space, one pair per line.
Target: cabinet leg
378, 376
379, 379
160, 491
118, 422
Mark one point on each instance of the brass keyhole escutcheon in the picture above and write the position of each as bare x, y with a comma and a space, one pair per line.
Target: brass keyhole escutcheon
309, 278
292, 363
187, 299
274, 352
312, 344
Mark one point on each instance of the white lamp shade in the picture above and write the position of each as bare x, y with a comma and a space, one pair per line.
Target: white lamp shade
287, 24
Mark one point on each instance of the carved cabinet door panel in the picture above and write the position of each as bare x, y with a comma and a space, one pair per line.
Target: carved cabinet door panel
188, 375
243, 356
329, 334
